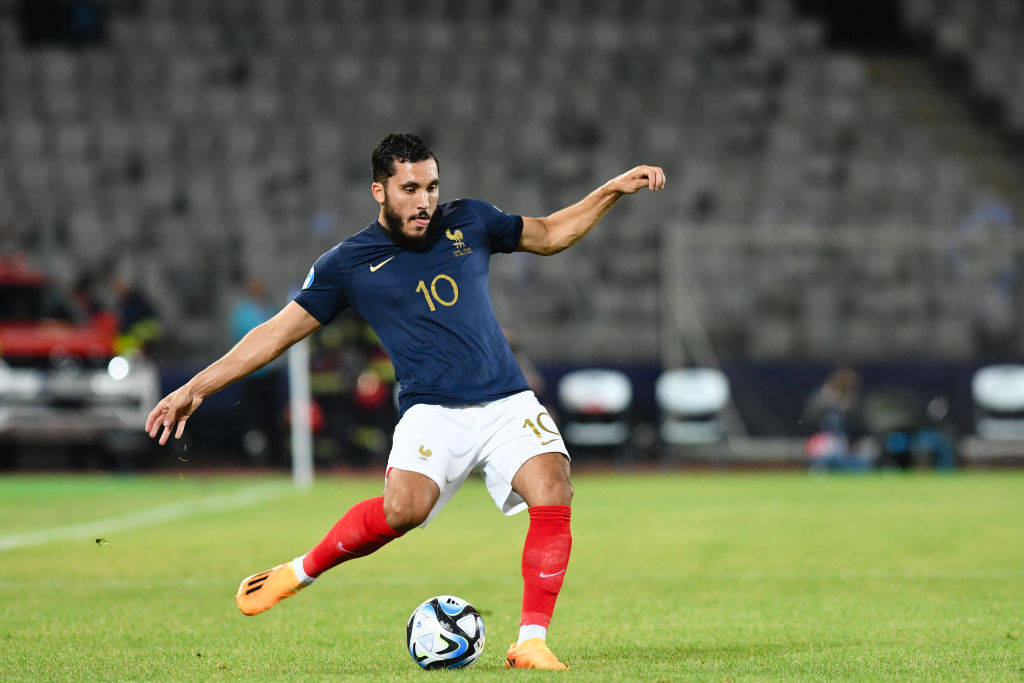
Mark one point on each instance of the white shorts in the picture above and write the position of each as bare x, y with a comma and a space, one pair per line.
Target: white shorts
447, 443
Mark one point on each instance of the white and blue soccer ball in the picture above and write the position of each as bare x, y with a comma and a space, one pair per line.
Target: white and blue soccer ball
445, 632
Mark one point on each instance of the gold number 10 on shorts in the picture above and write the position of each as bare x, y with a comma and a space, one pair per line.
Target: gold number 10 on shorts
540, 423
431, 296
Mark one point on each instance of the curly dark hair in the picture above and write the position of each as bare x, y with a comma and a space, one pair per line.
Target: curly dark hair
400, 147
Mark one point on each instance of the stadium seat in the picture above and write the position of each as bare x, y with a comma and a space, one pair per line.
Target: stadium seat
691, 402
998, 392
596, 405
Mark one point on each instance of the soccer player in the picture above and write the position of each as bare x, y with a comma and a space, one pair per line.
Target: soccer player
418, 274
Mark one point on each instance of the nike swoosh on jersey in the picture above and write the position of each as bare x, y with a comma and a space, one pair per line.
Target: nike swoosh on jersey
375, 268
543, 575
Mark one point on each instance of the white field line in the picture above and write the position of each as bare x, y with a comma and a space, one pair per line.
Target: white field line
252, 495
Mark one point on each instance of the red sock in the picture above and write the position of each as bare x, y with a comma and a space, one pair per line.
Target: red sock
545, 559
360, 532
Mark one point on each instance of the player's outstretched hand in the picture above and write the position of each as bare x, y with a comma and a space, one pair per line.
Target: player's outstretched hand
651, 177
174, 409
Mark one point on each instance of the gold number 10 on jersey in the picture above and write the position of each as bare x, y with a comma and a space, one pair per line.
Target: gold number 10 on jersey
431, 296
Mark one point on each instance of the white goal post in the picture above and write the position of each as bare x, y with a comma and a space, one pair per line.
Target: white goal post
300, 402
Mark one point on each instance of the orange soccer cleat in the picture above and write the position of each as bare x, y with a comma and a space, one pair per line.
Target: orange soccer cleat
532, 654
260, 592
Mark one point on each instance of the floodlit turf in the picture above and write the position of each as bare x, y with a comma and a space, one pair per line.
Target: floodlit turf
673, 576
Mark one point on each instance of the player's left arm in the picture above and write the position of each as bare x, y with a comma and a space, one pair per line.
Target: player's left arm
562, 229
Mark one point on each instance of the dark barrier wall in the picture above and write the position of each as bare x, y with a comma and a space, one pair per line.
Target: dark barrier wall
769, 396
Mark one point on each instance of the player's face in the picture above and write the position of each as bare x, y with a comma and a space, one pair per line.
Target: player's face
408, 201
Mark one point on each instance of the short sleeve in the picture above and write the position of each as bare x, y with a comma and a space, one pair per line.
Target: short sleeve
323, 292
505, 230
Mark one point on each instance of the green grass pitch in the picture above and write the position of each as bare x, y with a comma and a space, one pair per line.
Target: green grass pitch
674, 576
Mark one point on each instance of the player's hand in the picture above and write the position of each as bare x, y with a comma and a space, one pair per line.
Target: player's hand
651, 177
171, 414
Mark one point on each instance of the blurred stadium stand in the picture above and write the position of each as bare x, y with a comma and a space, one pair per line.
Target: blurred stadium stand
825, 202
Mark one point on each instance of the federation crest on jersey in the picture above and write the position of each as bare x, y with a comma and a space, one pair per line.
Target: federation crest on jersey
458, 241
309, 278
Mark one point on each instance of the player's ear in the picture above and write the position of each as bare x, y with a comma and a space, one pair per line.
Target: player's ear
378, 192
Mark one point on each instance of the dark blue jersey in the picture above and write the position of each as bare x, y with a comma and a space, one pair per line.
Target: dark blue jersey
431, 309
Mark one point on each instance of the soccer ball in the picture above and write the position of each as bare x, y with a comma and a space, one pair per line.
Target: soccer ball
445, 632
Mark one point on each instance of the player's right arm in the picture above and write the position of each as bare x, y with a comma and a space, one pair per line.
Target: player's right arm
260, 346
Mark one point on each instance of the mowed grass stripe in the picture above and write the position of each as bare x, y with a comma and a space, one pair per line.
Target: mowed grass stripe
247, 497
30, 502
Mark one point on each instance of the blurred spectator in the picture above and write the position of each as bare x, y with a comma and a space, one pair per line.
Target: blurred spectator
84, 291
834, 414
138, 323
85, 294
353, 381
911, 431
258, 409
250, 310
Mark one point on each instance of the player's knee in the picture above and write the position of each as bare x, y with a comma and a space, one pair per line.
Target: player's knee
408, 499
561, 492
405, 513
544, 480
551, 491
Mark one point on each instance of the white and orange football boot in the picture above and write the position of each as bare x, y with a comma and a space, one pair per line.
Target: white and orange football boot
532, 653
260, 592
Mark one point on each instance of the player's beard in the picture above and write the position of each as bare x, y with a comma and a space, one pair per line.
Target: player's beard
393, 223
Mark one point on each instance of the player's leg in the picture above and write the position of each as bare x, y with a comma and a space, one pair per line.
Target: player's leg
367, 526
417, 476
371, 524
543, 482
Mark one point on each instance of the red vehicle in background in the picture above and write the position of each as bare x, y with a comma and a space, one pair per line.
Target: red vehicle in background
61, 380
